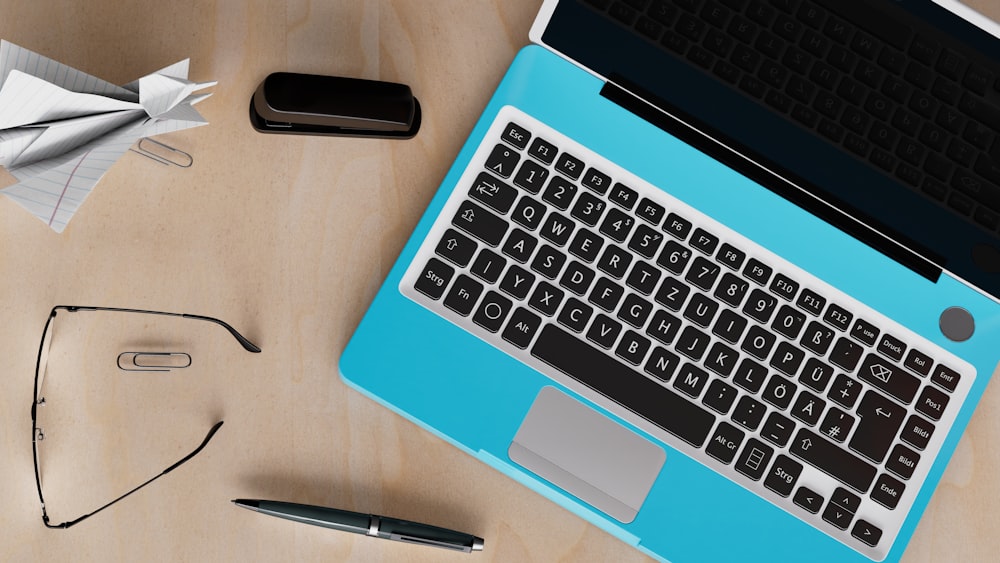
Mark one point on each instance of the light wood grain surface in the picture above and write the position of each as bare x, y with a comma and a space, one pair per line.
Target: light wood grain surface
288, 238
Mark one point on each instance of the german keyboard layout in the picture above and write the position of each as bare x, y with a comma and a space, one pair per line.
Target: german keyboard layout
690, 331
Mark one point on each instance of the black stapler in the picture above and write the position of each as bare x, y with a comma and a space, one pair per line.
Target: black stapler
309, 104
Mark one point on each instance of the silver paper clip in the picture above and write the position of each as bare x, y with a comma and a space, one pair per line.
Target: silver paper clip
153, 361
162, 153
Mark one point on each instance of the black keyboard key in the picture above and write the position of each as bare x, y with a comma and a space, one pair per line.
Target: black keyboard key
644, 277
575, 314
865, 332
480, 223
817, 338
784, 287
663, 327
543, 150
488, 265
548, 261
674, 257
557, 229
845, 391
522, 328
586, 245
588, 209
531, 176
885, 376
672, 293
617, 225
917, 432
677, 226
808, 408
754, 459
701, 310
692, 343
891, 347
546, 298
623, 195
606, 294
729, 326
816, 375
596, 180
881, 419
691, 380
645, 241
559, 193
492, 311
725, 442
838, 317
456, 247
502, 161
720, 396
577, 278
749, 412
615, 261
492, 192
918, 362
846, 354
519, 245
632, 390
517, 282
789, 322
463, 295
758, 342
516, 135
932, 402
783, 475
434, 278
731, 256
836, 424
808, 500
902, 461
661, 364
702, 273
945, 377
650, 211
750, 375
887, 491
811, 302
866, 532
731, 290
832, 460
604, 331
528, 213
757, 271
704, 241
632, 347
569, 165
760, 305
779, 392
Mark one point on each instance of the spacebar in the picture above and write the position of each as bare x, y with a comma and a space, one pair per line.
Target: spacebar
623, 385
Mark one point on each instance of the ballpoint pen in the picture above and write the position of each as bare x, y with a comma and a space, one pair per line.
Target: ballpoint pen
367, 524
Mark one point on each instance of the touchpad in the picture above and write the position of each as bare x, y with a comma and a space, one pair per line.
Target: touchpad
584, 452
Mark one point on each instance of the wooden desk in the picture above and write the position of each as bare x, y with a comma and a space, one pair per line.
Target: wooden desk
288, 239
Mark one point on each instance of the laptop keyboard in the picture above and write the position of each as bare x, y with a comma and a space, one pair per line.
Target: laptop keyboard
913, 105
688, 330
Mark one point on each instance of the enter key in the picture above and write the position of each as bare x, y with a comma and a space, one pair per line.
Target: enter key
881, 419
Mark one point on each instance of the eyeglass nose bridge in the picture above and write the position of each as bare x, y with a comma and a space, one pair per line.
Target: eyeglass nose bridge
153, 361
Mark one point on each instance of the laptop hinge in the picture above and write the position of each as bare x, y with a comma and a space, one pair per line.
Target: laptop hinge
787, 185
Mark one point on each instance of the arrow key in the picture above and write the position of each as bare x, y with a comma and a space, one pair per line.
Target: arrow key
866, 533
838, 516
808, 499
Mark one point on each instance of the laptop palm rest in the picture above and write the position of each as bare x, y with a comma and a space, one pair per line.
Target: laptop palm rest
587, 454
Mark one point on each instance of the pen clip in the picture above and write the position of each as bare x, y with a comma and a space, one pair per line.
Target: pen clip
430, 542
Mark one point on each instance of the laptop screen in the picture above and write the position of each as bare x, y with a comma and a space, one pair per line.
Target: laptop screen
881, 117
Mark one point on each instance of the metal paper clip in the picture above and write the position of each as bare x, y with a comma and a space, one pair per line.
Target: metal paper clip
162, 153
153, 361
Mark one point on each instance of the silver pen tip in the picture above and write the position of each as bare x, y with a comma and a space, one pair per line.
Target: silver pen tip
477, 544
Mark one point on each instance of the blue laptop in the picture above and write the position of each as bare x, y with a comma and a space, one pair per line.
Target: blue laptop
722, 277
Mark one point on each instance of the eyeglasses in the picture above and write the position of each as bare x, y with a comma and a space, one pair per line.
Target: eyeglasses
153, 361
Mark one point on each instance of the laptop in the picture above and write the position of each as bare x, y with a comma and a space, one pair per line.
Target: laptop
721, 277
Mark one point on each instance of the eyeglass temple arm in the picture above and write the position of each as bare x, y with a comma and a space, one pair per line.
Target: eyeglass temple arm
208, 437
249, 346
